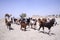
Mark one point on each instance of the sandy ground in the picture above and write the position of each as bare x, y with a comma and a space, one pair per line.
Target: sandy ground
30, 34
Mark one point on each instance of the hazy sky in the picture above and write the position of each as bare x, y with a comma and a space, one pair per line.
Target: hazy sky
30, 7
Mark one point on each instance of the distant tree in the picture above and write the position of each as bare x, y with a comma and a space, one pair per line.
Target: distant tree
23, 15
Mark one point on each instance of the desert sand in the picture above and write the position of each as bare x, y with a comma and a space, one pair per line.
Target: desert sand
30, 34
